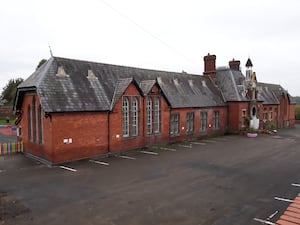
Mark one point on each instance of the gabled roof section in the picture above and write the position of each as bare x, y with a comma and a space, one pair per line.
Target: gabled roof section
146, 86
120, 88
271, 93
232, 84
91, 86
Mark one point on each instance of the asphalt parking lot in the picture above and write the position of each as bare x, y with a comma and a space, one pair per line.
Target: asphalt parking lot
217, 181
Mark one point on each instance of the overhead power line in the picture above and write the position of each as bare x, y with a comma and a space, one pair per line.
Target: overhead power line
148, 32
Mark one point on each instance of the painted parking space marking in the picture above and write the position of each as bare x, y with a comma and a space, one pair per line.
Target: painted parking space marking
283, 199
185, 146
168, 149
99, 162
273, 214
198, 143
263, 221
295, 185
149, 153
68, 168
1, 171
209, 141
127, 157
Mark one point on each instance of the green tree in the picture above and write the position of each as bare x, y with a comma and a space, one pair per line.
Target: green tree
41, 63
9, 91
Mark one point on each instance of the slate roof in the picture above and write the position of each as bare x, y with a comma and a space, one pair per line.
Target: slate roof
270, 94
75, 91
232, 84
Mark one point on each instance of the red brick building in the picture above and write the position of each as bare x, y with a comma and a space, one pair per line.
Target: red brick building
71, 109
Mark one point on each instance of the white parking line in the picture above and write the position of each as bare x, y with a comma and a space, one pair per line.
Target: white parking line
68, 168
198, 143
272, 215
149, 153
264, 221
1, 171
296, 185
99, 162
209, 141
283, 199
185, 146
168, 149
127, 157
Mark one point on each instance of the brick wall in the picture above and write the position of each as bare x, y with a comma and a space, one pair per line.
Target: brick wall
6, 111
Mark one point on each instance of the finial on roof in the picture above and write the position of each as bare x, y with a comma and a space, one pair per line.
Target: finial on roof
249, 63
50, 51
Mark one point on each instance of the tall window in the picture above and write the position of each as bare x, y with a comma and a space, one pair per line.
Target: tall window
157, 115
130, 110
34, 120
243, 117
203, 116
270, 114
216, 119
190, 122
29, 115
41, 126
149, 115
135, 117
125, 109
175, 123
153, 115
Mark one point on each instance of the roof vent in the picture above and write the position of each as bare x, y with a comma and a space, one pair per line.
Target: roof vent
91, 75
61, 72
176, 82
203, 83
191, 83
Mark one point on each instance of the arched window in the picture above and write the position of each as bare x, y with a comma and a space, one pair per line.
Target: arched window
149, 115
157, 115
125, 109
29, 116
34, 123
135, 117
41, 125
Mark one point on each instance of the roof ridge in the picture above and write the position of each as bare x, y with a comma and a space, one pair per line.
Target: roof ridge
129, 67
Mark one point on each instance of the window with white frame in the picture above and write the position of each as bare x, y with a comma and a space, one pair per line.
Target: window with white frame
244, 117
174, 124
157, 115
149, 115
135, 117
125, 109
190, 122
203, 118
41, 125
29, 119
153, 108
216, 119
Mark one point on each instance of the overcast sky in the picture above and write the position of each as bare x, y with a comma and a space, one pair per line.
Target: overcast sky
167, 35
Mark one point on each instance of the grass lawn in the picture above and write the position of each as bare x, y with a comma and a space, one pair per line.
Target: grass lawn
3, 121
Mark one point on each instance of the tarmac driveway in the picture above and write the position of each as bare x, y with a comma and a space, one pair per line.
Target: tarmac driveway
218, 181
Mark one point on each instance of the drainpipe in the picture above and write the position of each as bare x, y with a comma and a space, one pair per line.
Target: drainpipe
108, 133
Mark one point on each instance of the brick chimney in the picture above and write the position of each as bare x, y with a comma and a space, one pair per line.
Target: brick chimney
210, 66
235, 64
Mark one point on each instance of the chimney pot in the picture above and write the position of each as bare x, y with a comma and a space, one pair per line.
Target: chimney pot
210, 65
234, 64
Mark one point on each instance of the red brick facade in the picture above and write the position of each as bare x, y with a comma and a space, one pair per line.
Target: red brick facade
137, 119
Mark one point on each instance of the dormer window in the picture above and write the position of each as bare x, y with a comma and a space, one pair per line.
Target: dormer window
61, 72
91, 75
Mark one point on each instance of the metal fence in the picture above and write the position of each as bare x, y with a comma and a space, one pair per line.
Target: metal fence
11, 148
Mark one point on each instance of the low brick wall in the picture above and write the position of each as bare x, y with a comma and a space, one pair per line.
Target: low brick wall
6, 111
297, 121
